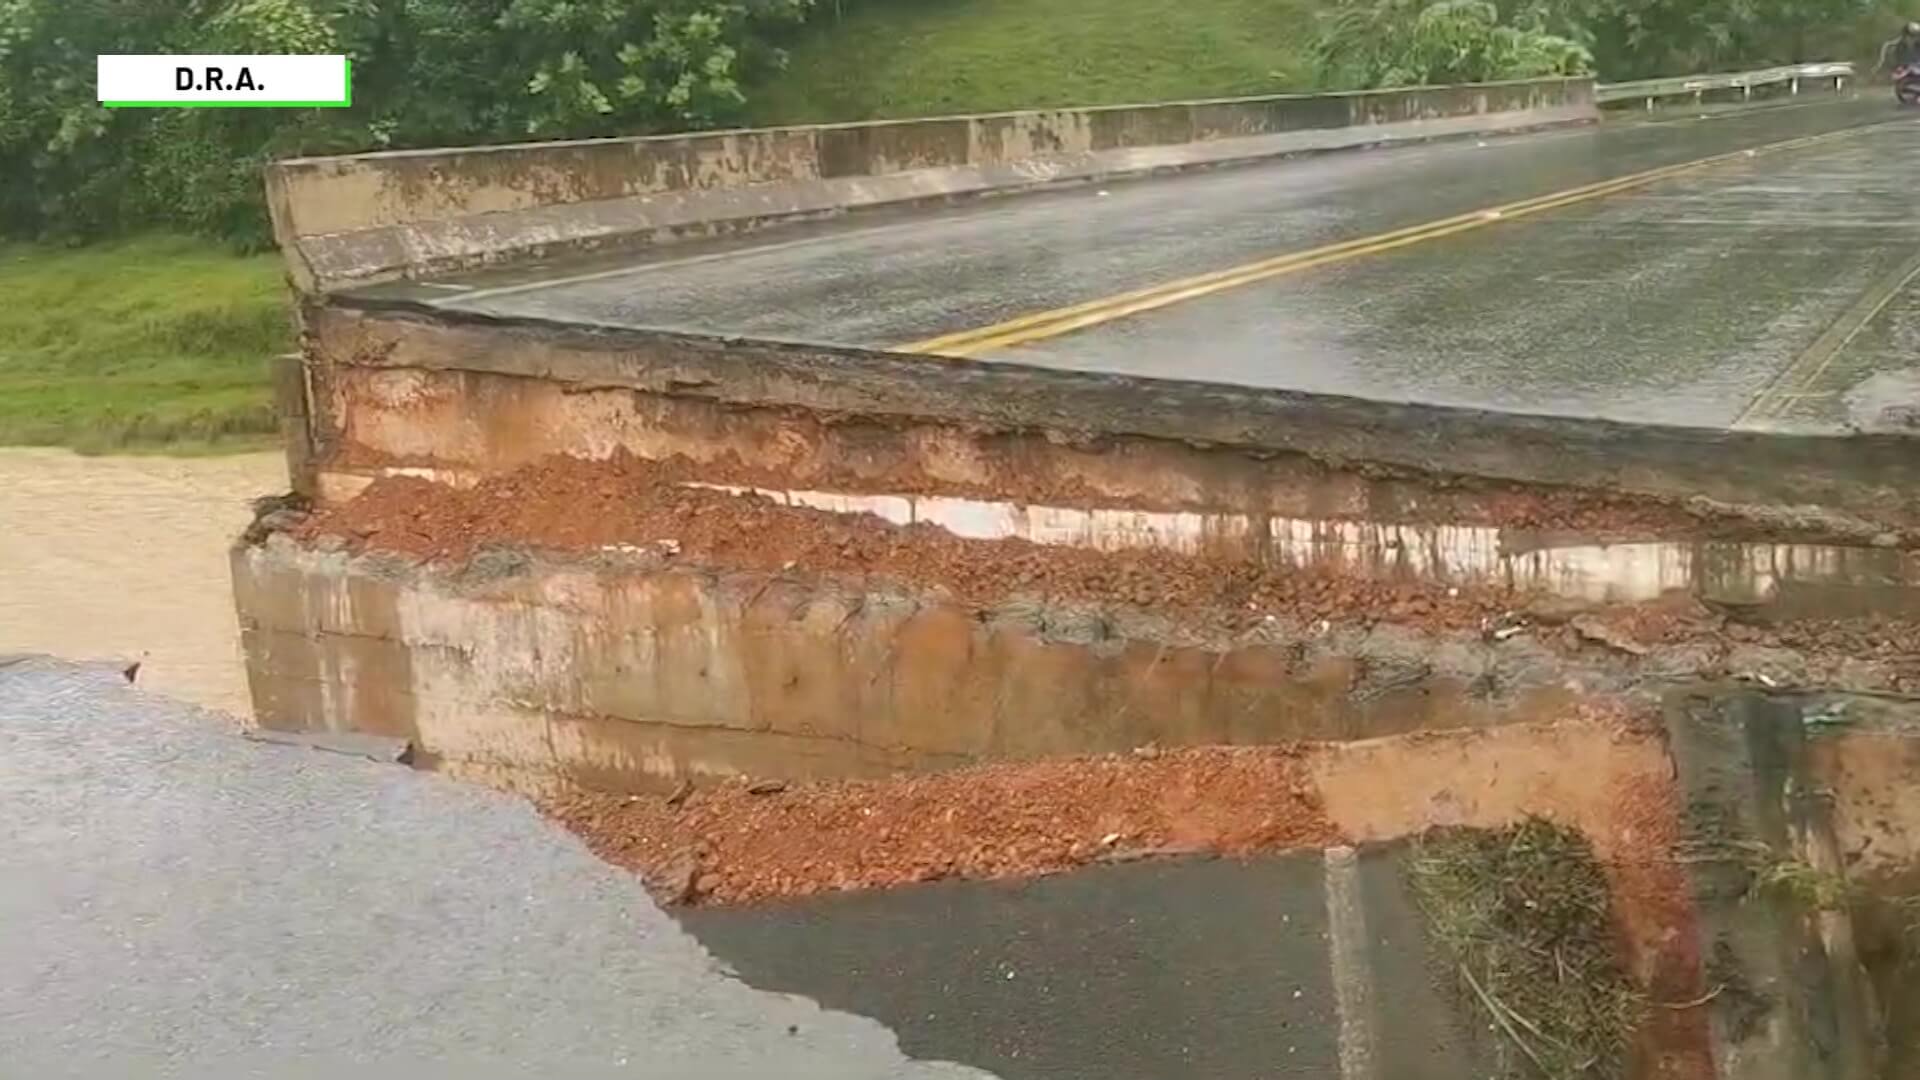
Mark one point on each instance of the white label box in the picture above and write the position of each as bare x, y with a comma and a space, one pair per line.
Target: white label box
225, 81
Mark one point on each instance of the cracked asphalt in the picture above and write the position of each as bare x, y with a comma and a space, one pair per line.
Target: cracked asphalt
178, 901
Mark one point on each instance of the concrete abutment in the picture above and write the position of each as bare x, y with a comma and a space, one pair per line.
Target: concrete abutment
550, 656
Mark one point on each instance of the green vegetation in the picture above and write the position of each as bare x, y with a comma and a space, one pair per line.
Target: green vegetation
435, 72
426, 72
138, 344
1525, 918
865, 59
901, 58
157, 342
943, 56
1632, 39
1416, 43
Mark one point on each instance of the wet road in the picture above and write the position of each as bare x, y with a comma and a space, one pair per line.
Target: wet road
1771, 290
1106, 974
177, 901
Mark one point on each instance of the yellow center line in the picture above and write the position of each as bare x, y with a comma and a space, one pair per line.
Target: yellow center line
1797, 380
1047, 324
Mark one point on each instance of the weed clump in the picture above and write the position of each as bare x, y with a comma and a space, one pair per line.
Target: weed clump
1523, 916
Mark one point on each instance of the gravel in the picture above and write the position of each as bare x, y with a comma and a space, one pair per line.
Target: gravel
175, 900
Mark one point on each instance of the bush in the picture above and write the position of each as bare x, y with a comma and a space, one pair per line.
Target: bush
1414, 43
425, 72
1395, 42
1633, 39
434, 72
1524, 916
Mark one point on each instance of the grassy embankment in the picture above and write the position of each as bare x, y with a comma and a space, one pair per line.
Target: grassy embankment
928, 57
156, 343
162, 343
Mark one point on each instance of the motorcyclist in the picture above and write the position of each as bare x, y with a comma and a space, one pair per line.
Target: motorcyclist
1904, 50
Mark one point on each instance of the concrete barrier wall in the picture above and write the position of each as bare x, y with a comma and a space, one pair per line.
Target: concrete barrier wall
349, 220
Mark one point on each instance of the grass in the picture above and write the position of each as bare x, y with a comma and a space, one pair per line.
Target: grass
874, 59
894, 58
1524, 915
155, 343
162, 343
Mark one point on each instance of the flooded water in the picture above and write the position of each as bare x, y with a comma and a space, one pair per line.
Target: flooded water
111, 557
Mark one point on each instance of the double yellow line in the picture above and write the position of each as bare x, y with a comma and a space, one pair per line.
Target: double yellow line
1798, 379
1049, 324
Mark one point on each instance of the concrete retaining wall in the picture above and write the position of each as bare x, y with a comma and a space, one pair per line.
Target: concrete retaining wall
348, 220
1794, 1000
625, 672
630, 667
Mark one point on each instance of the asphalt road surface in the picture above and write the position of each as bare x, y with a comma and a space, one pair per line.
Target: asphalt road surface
177, 901
1647, 270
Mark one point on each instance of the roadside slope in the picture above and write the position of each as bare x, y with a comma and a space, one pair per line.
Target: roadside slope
894, 58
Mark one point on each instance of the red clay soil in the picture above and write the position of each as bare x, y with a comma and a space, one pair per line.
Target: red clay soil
1893, 645
1597, 515
1680, 617
571, 505
728, 845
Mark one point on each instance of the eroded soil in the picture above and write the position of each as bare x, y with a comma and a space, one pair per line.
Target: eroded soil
741, 842
573, 506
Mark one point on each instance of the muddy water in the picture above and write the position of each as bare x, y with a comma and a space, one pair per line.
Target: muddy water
104, 557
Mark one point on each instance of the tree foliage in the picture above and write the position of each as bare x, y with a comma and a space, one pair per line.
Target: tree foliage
425, 72
1414, 43
1636, 38
1396, 42
1639, 38
1650, 37
432, 72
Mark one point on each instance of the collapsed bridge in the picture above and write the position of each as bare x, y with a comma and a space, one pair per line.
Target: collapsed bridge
793, 455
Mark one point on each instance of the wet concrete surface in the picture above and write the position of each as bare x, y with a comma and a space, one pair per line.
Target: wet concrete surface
1871, 379
1171, 968
1683, 303
178, 901
1418, 1028
1678, 302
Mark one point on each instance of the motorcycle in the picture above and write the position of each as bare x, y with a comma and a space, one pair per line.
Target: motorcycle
1906, 85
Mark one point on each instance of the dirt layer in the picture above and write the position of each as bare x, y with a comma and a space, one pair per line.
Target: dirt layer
1876, 654
740, 842
571, 505
1401, 498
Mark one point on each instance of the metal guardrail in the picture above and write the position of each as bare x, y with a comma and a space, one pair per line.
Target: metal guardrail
1697, 86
